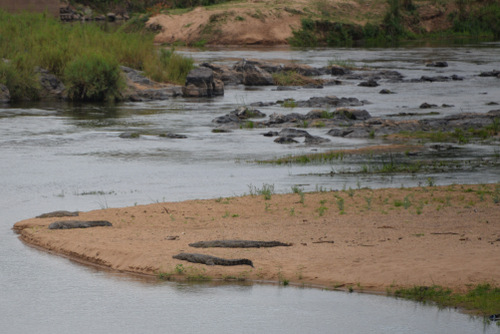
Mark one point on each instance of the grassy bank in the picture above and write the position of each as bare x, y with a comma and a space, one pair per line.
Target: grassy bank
483, 298
85, 56
403, 20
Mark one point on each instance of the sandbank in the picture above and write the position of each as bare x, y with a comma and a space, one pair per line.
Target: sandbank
362, 239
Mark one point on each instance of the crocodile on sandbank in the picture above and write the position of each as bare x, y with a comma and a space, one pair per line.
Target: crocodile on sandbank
210, 260
237, 244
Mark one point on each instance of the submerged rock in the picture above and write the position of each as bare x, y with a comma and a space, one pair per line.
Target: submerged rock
437, 64
369, 83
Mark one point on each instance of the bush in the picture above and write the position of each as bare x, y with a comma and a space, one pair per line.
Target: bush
169, 66
93, 77
19, 77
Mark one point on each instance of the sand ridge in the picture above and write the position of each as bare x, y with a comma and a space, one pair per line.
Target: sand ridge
363, 238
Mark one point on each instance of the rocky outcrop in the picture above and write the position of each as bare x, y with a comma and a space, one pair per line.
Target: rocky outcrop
330, 101
4, 94
238, 115
437, 64
200, 82
51, 86
253, 75
493, 73
140, 88
379, 127
70, 224
224, 73
288, 135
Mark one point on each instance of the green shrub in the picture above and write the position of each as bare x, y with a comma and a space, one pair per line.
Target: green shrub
19, 77
93, 77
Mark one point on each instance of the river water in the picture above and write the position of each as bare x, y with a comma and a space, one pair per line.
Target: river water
62, 156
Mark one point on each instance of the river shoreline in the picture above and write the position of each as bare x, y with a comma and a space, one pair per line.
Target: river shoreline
361, 240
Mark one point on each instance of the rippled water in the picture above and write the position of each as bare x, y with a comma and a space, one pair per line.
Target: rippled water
62, 156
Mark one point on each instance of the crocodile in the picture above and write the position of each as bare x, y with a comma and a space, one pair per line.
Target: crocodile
210, 260
60, 213
238, 244
67, 224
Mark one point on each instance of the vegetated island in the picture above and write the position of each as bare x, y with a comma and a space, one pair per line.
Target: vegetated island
443, 239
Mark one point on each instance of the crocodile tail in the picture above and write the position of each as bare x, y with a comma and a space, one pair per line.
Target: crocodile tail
245, 261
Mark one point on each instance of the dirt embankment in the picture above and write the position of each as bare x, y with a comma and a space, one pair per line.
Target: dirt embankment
271, 22
363, 238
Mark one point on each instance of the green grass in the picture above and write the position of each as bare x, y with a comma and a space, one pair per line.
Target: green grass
483, 299
292, 78
30, 40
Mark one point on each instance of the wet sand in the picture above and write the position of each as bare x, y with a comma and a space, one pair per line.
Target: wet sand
366, 239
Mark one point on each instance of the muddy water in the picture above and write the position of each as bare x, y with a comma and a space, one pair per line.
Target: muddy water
62, 156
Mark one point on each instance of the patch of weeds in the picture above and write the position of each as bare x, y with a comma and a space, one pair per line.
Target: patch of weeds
496, 195
407, 202
267, 190
350, 192
340, 204
483, 298
430, 182
345, 63
247, 125
289, 103
164, 276
368, 202
419, 235
292, 78
292, 212
267, 207
419, 208
322, 209
179, 268
398, 203
282, 280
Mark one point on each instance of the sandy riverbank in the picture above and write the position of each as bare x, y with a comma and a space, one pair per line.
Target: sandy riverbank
448, 236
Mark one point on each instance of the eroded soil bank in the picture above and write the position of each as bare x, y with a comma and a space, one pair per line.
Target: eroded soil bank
362, 238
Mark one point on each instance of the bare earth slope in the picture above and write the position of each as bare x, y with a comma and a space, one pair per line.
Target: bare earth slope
367, 239
271, 22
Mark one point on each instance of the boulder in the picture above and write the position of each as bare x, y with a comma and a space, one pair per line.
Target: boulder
426, 105
239, 114
369, 83
4, 94
253, 75
52, 87
437, 64
200, 82
329, 101
227, 75
339, 70
285, 140
494, 73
